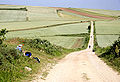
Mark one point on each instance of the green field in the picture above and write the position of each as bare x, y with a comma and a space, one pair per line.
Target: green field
93, 13
12, 15
108, 27
105, 12
30, 24
65, 14
42, 13
66, 42
107, 32
39, 17
58, 30
106, 40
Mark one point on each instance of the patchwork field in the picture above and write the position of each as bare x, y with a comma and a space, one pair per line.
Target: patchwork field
66, 42
65, 14
95, 13
88, 14
107, 32
30, 24
44, 16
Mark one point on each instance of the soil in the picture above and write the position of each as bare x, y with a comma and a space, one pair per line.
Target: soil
77, 44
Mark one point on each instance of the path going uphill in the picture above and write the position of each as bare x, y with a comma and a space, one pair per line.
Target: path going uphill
81, 66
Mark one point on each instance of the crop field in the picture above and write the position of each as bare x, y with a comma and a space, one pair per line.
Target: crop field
107, 32
105, 12
31, 24
58, 30
42, 13
48, 34
108, 27
66, 42
12, 15
92, 13
65, 14
39, 17
106, 40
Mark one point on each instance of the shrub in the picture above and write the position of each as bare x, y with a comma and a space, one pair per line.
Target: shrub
2, 35
43, 45
11, 62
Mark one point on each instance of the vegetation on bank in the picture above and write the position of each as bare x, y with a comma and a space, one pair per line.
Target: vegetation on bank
13, 62
110, 54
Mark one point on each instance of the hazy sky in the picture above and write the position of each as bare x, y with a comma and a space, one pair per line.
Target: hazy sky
95, 4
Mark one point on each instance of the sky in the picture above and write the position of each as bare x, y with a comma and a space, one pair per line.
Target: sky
93, 4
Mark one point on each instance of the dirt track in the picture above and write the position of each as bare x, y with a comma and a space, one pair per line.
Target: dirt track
86, 14
81, 66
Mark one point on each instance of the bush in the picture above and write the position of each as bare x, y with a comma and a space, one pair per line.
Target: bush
2, 35
43, 45
111, 54
11, 62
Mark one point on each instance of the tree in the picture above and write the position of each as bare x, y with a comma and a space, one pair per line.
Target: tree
2, 35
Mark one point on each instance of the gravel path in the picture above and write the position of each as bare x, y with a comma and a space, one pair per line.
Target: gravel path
81, 66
